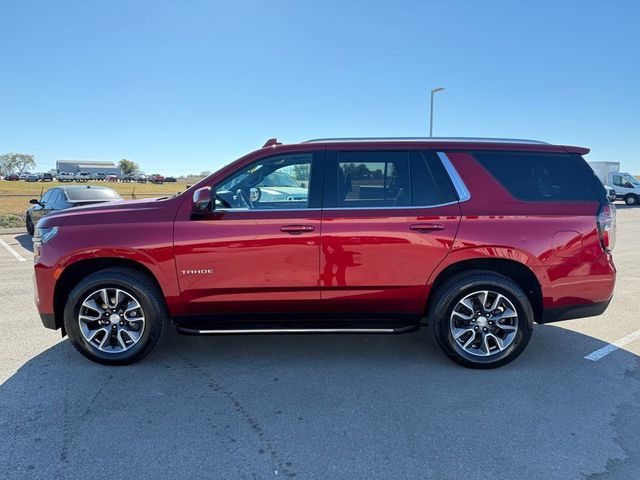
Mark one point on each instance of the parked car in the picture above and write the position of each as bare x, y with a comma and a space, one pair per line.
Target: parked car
128, 178
476, 239
170, 180
83, 177
57, 199
112, 177
46, 177
278, 187
156, 178
141, 178
100, 176
32, 177
12, 177
66, 177
23, 175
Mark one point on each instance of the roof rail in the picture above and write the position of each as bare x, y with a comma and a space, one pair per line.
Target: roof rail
426, 139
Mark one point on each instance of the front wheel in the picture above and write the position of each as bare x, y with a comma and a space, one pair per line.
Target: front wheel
115, 316
631, 200
481, 319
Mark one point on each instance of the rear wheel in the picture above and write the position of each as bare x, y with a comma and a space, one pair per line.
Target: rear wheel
481, 319
30, 227
115, 316
631, 200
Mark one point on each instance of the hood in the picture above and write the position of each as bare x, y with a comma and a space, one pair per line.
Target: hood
87, 213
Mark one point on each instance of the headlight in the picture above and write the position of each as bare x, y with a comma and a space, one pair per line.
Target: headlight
43, 235
40, 237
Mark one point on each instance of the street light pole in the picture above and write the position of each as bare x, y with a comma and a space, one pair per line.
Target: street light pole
433, 91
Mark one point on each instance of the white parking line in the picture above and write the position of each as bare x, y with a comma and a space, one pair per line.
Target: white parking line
19, 257
612, 347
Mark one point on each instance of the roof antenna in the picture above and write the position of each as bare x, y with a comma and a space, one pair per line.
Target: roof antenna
272, 142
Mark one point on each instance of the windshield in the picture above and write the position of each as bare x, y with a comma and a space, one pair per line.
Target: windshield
632, 180
92, 195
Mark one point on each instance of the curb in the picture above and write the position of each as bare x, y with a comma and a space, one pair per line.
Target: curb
10, 231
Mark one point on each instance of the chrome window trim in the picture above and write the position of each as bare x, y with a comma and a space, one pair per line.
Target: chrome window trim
408, 207
427, 140
458, 183
246, 210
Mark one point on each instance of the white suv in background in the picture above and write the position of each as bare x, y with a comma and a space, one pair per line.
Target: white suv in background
83, 177
66, 177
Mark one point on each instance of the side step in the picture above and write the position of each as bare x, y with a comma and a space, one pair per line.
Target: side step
312, 327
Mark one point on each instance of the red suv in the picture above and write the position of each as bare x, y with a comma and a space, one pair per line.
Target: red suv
477, 238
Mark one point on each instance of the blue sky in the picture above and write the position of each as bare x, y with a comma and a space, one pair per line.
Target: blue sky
186, 86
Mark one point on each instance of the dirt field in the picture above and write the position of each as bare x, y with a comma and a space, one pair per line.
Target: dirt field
13, 208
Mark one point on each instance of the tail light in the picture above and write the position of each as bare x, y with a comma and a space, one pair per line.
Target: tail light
606, 220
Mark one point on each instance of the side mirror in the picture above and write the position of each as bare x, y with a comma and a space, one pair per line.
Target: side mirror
34, 201
203, 200
254, 194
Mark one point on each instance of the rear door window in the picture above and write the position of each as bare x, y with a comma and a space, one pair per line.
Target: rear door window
373, 179
541, 177
54, 200
386, 179
430, 184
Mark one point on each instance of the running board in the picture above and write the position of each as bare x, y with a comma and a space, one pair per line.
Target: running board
266, 330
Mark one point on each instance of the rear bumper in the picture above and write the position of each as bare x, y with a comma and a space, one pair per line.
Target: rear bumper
576, 286
573, 311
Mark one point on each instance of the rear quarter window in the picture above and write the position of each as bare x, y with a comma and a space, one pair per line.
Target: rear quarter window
542, 177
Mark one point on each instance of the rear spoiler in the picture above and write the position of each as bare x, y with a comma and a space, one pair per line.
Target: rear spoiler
578, 150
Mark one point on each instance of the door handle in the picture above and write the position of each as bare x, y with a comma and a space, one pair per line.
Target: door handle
426, 227
297, 229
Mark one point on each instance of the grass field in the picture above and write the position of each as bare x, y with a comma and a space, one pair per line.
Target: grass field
13, 208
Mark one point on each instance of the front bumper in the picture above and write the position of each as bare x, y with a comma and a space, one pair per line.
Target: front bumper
49, 321
44, 281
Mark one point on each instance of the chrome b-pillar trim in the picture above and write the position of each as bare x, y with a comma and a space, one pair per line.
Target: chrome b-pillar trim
458, 183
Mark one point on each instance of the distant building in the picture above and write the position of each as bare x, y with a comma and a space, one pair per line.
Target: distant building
88, 166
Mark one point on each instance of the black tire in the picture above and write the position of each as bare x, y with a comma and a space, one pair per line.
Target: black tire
30, 227
455, 289
631, 200
145, 291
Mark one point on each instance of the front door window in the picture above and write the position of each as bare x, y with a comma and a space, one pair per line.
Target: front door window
276, 183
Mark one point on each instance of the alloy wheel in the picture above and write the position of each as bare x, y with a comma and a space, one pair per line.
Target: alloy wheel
484, 323
111, 320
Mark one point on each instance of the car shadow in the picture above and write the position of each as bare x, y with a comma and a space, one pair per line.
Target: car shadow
319, 406
25, 241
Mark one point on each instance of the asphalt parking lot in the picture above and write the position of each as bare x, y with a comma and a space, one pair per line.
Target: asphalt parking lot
322, 406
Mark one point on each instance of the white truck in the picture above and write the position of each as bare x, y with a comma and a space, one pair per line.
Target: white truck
626, 186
